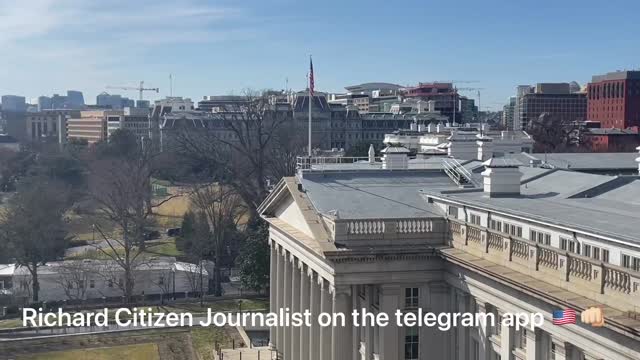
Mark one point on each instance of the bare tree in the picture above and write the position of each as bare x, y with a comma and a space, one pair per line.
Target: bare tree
222, 209
242, 151
33, 227
164, 282
73, 278
554, 133
120, 185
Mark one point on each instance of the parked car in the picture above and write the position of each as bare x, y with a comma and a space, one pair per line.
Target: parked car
174, 231
152, 235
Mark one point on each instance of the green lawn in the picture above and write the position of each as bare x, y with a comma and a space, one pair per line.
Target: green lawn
10, 323
204, 340
127, 352
163, 248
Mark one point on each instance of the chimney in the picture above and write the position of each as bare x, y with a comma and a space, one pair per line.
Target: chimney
372, 154
395, 158
501, 177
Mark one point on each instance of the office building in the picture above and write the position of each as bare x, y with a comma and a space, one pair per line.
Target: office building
135, 120
75, 100
508, 113
390, 234
521, 90
44, 103
90, 125
175, 103
614, 99
444, 95
47, 124
13, 104
551, 98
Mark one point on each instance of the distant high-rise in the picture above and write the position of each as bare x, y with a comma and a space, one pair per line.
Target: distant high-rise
109, 101
44, 103
75, 99
521, 90
13, 103
58, 101
507, 113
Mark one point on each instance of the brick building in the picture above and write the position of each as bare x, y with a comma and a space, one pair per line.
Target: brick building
614, 99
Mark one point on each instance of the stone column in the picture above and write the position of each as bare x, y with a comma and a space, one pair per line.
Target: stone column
533, 349
305, 304
342, 344
314, 332
295, 306
389, 347
484, 332
463, 331
326, 306
560, 349
506, 340
280, 296
288, 271
273, 290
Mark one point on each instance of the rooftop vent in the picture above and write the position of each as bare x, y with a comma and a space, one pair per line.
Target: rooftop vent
395, 158
501, 177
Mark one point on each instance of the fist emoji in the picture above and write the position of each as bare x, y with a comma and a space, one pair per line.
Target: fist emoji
593, 316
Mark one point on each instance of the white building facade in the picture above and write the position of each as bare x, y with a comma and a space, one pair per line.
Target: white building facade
411, 240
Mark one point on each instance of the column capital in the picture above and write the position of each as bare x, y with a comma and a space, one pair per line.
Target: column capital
292, 258
310, 272
302, 266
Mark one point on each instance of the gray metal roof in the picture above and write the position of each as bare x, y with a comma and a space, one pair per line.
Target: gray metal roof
375, 194
614, 213
590, 161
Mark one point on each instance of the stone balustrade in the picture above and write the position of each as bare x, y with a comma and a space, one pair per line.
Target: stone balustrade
605, 282
356, 232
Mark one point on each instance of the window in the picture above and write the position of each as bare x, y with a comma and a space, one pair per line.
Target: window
161, 280
605, 255
631, 262
110, 283
521, 339
540, 237
92, 284
1, 284
475, 219
453, 211
587, 251
411, 296
411, 344
570, 245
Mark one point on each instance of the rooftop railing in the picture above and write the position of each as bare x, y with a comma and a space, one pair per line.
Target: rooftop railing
399, 231
606, 283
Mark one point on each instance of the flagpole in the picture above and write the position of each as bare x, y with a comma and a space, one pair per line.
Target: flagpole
310, 100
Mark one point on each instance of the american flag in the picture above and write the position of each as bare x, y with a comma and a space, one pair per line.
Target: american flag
563, 317
311, 80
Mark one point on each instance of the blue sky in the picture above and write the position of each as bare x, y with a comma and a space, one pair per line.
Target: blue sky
222, 47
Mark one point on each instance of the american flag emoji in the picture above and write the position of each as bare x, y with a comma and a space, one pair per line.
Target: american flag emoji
563, 317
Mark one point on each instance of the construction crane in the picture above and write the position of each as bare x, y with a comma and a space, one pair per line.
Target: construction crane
140, 88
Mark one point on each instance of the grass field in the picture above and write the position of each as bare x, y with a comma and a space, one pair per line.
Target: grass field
204, 340
127, 352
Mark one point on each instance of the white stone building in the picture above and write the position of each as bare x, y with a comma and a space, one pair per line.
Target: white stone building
523, 239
